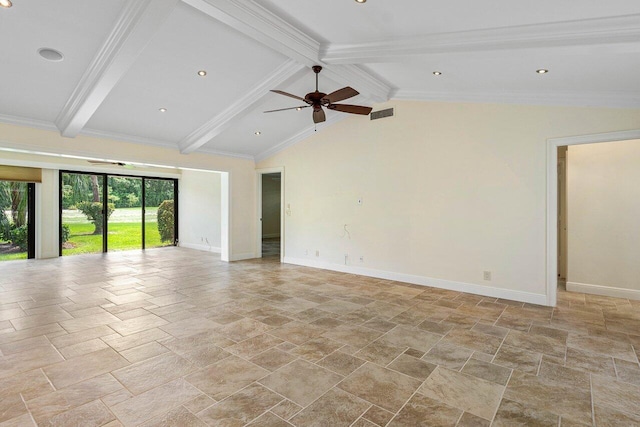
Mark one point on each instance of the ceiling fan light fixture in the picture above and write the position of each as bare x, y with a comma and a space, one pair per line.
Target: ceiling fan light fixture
162, 110
6, 3
437, 73
258, 133
202, 73
542, 71
361, 1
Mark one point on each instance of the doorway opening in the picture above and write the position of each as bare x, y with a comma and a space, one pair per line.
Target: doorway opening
270, 214
559, 209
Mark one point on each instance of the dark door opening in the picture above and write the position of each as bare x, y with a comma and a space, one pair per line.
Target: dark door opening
271, 205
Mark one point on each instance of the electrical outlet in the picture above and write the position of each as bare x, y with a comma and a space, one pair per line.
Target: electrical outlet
317, 252
486, 275
346, 259
361, 258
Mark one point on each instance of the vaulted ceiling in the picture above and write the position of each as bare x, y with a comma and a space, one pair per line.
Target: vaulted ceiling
124, 60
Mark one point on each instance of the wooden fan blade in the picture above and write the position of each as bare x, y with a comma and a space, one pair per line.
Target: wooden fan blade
353, 109
285, 109
319, 116
340, 95
279, 92
104, 162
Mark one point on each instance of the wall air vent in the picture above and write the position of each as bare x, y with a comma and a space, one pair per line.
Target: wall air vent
381, 114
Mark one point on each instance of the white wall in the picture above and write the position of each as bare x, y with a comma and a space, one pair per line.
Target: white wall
200, 210
241, 172
603, 195
449, 191
270, 206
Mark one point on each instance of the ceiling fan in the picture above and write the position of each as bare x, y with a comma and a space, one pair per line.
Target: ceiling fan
317, 100
105, 162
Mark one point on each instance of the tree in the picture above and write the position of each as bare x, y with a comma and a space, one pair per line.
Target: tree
95, 214
166, 220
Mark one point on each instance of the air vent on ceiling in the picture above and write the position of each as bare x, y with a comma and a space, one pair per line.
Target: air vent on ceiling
381, 114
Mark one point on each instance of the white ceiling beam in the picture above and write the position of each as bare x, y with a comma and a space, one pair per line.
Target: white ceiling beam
588, 32
285, 74
269, 29
137, 24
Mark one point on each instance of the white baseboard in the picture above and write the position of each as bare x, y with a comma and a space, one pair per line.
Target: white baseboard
205, 248
607, 291
242, 257
270, 236
471, 288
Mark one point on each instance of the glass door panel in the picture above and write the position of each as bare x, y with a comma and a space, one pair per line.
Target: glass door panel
14, 220
82, 213
159, 213
124, 231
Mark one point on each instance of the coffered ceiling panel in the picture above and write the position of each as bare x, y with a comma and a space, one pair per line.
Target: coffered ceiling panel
165, 76
30, 86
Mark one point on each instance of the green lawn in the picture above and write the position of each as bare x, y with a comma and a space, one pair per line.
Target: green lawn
125, 231
14, 256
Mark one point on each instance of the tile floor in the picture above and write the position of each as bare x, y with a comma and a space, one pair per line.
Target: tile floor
174, 337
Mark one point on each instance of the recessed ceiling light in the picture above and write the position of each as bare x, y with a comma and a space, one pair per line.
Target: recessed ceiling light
6, 3
258, 133
163, 110
437, 73
202, 73
299, 108
542, 71
361, 1
50, 54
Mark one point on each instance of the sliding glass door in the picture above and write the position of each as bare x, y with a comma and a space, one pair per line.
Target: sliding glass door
140, 213
17, 214
82, 216
125, 223
160, 213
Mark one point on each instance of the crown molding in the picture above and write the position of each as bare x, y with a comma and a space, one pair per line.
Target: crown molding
226, 154
265, 27
573, 99
136, 25
598, 31
24, 121
286, 73
300, 136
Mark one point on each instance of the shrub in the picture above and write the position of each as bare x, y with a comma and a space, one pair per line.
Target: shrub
20, 236
5, 227
66, 233
166, 221
93, 211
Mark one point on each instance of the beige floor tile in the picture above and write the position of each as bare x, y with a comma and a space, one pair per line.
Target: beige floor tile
512, 413
143, 352
413, 367
226, 377
241, 407
380, 352
487, 371
179, 417
94, 414
615, 394
603, 346
301, 382
378, 416
154, 402
286, 409
404, 336
451, 356
27, 360
272, 359
335, 408
21, 421
254, 345
153, 372
465, 392
473, 340
517, 358
83, 367
269, 420
356, 336
536, 343
383, 387
49, 405
297, 332
83, 348
421, 410
608, 417
120, 343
